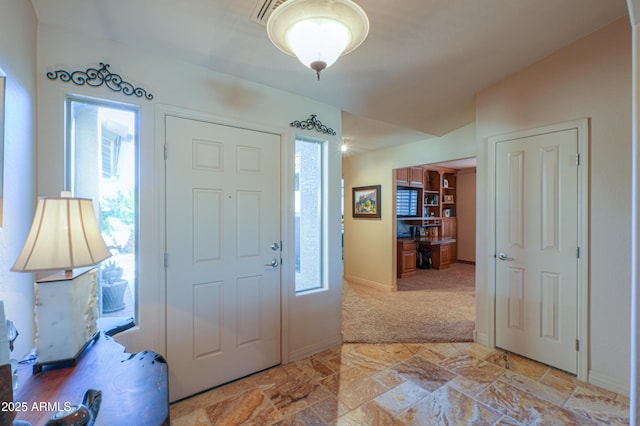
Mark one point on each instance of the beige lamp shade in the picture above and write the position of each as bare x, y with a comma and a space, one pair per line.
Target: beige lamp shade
64, 235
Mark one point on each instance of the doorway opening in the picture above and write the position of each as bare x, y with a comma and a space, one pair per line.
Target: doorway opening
436, 240
434, 304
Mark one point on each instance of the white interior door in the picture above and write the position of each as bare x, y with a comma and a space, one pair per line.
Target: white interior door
223, 231
537, 247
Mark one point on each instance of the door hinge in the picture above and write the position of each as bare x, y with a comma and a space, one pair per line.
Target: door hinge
577, 345
166, 260
578, 252
577, 159
165, 153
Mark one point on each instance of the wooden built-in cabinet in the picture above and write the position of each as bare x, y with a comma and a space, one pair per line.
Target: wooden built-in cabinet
443, 255
402, 177
407, 256
432, 194
448, 196
440, 193
410, 176
449, 227
439, 200
440, 255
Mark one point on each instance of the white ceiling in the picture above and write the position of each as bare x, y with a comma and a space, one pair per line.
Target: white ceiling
414, 77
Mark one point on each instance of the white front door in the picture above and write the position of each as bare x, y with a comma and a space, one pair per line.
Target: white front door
536, 247
223, 231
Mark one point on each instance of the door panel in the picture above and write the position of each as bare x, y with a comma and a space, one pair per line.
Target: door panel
223, 215
536, 241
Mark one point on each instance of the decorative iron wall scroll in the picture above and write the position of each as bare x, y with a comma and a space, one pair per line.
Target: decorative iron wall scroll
96, 77
312, 123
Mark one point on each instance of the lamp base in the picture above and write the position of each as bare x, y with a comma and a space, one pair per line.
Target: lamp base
66, 313
65, 363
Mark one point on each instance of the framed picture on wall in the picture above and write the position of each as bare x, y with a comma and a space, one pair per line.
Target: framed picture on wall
366, 202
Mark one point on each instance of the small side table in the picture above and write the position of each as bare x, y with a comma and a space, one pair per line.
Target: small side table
134, 386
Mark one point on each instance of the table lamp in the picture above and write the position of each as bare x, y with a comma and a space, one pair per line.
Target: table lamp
64, 235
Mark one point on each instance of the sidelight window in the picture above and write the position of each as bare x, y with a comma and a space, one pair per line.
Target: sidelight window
309, 207
101, 163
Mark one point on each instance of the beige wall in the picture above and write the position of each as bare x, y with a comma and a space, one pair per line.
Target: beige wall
370, 244
18, 63
466, 213
588, 79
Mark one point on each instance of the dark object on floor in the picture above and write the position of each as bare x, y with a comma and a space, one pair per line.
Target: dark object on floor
424, 257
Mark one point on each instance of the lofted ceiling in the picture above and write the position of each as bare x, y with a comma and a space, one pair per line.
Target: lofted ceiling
413, 78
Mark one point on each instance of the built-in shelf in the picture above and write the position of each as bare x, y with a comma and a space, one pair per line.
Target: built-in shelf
437, 223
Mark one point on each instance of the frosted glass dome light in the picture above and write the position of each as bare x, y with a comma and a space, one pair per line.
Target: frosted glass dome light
318, 40
318, 32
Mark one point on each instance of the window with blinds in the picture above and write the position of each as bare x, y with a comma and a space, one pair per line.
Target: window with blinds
406, 202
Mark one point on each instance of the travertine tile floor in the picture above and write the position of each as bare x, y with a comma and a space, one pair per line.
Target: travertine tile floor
406, 384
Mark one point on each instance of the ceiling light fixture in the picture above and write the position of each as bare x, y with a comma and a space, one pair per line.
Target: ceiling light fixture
318, 32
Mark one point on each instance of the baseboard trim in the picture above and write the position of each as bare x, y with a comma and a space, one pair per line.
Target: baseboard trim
314, 348
481, 338
362, 281
609, 383
468, 262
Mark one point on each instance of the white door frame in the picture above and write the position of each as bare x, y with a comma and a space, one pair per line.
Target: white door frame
634, 391
582, 126
161, 238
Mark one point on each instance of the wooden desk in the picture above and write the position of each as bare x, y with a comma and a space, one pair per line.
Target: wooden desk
443, 251
134, 386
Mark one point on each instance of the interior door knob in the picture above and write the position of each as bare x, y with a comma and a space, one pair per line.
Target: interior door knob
504, 256
274, 263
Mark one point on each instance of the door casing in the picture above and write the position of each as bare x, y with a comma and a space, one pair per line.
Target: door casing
582, 127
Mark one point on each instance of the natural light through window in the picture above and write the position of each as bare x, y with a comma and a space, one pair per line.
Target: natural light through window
309, 206
101, 164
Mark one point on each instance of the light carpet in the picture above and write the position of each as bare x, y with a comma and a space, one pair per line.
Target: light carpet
434, 306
